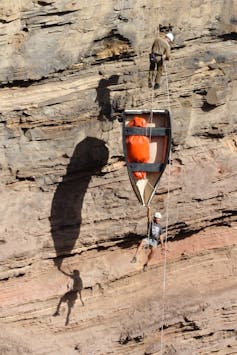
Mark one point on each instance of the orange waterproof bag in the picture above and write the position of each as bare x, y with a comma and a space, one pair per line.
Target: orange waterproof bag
138, 146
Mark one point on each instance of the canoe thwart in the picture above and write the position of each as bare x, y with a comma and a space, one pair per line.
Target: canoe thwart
148, 131
148, 167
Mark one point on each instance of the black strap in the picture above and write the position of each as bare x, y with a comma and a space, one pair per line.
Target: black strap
148, 167
149, 131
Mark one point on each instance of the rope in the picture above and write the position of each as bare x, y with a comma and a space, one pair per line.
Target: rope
167, 206
167, 86
166, 228
148, 222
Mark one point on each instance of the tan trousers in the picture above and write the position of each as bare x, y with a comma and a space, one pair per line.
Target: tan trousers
155, 73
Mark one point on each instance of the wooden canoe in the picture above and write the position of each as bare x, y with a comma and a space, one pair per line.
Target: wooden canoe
158, 130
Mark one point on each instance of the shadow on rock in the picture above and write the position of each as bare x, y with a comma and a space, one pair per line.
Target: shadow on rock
104, 98
71, 296
89, 156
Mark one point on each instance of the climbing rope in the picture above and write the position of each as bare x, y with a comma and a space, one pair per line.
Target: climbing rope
167, 202
167, 214
148, 222
166, 226
167, 86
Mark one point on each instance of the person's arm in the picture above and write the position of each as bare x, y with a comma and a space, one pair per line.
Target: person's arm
154, 47
166, 55
167, 50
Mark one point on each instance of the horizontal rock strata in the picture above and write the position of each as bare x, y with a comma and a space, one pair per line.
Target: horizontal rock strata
67, 72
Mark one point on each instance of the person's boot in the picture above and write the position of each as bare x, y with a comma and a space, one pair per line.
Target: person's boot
157, 86
145, 267
134, 260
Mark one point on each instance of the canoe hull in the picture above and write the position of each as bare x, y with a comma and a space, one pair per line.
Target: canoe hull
158, 130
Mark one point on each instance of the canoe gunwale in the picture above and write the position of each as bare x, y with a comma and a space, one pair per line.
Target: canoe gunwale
152, 132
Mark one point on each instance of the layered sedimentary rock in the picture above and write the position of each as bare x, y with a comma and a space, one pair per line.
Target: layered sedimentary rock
67, 72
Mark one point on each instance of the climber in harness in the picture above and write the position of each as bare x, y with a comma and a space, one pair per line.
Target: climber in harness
152, 240
160, 51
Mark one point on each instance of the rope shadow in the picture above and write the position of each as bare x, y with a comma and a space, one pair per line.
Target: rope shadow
88, 158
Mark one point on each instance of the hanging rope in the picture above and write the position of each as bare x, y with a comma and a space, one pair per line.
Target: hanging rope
166, 227
148, 222
152, 91
154, 30
168, 197
167, 86
167, 209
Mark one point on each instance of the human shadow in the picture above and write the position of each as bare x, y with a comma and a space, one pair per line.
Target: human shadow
70, 297
103, 97
88, 158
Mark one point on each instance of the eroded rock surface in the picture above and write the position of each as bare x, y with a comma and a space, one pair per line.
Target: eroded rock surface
67, 71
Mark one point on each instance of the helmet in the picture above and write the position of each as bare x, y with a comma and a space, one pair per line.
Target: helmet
170, 36
157, 215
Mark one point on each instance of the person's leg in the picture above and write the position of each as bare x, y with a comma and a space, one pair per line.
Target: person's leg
62, 299
140, 246
68, 314
159, 71
150, 256
151, 74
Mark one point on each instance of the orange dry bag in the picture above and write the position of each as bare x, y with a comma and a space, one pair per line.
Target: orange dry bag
138, 146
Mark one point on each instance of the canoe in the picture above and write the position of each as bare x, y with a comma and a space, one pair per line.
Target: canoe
157, 132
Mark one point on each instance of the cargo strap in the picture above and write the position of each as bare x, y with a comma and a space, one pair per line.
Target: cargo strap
148, 131
148, 167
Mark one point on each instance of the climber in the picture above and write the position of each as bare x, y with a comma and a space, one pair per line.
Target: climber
70, 296
152, 240
160, 51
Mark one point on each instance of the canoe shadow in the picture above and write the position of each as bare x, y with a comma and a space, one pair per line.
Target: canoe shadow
88, 158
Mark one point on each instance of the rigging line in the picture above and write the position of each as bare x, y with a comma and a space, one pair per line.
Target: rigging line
149, 184
152, 105
154, 17
166, 228
155, 29
165, 263
139, 69
152, 77
167, 86
148, 222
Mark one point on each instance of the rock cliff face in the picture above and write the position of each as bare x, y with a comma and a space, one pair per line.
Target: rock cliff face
69, 219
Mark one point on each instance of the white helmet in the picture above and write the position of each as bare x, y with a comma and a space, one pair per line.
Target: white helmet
170, 36
157, 215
